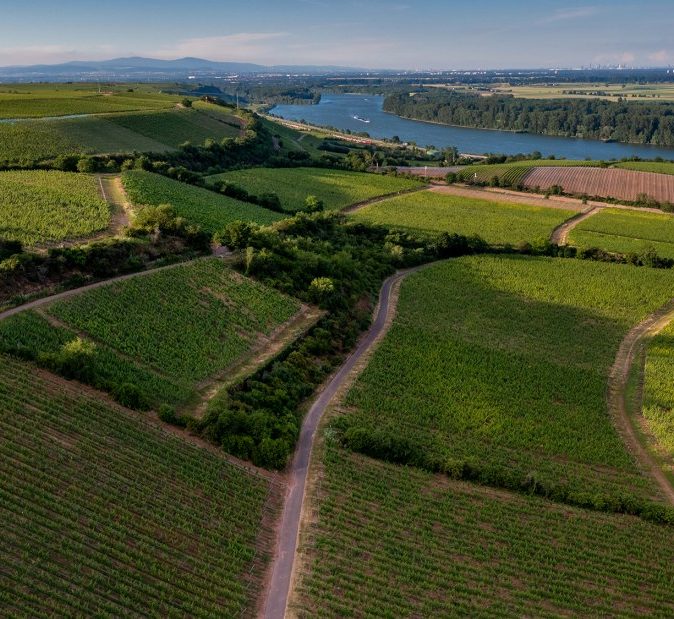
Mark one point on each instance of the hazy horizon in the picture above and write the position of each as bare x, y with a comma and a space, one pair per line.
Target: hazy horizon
377, 35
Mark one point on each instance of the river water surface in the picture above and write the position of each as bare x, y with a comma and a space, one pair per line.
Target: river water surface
343, 112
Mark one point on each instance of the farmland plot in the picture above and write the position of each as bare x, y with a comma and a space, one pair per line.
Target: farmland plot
212, 211
604, 182
164, 332
658, 400
105, 514
389, 541
624, 231
500, 365
43, 206
496, 222
336, 188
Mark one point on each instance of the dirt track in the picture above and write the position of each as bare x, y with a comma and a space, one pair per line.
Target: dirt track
75, 291
276, 596
627, 354
359, 205
560, 235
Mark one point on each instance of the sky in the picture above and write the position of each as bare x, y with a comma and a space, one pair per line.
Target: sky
396, 34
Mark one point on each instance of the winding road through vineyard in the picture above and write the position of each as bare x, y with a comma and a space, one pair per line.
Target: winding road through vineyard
278, 589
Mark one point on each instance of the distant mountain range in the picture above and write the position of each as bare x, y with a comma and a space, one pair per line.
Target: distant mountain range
152, 68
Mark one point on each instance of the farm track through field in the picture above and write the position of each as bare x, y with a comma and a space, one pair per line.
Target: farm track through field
560, 235
359, 205
114, 194
628, 354
278, 587
66, 294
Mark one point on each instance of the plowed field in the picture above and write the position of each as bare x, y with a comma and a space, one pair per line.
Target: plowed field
604, 182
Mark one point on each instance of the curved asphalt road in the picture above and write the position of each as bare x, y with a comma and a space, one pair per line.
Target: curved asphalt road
284, 557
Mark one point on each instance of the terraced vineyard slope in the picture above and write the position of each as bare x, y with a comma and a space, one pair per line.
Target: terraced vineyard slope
496, 368
47, 206
212, 211
336, 188
165, 334
626, 231
103, 513
389, 541
496, 222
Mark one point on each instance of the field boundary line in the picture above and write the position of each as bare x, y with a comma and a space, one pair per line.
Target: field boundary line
282, 567
560, 235
352, 208
628, 353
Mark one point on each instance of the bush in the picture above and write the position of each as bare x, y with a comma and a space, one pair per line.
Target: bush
130, 395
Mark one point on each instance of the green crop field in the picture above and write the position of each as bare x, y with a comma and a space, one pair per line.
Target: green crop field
658, 402
164, 332
152, 130
104, 514
496, 222
43, 206
212, 211
624, 231
43, 100
336, 188
660, 167
173, 128
501, 364
388, 541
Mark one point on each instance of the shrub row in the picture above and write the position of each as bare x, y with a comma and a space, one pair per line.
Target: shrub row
390, 446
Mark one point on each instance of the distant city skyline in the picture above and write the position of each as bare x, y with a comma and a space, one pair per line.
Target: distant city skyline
377, 34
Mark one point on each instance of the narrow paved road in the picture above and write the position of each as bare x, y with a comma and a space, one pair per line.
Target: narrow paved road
560, 235
627, 354
278, 590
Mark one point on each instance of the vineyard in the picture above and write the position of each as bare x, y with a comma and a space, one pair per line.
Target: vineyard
164, 332
212, 211
104, 514
48, 100
175, 127
624, 231
604, 182
388, 541
511, 174
144, 131
658, 167
659, 394
336, 188
500, 364
44, 206
496, 222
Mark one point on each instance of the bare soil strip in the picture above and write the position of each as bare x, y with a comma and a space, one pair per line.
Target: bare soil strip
283, 564
560, 235
359, 205
115, 195
629, 353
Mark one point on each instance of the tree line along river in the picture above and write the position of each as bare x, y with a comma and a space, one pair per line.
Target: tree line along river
365, 113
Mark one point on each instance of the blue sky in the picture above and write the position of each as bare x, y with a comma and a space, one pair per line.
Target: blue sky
434, 34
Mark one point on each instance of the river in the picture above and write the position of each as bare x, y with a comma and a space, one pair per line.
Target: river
340, 111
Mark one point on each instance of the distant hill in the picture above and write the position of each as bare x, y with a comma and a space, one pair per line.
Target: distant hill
151, 69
